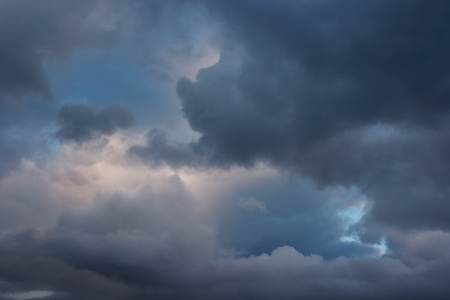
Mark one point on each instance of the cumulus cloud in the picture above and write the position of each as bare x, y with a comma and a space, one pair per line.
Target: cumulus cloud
126, 231
159, 149
309, 90
313, 109
305, 85
82, 121
108, 267
351, 98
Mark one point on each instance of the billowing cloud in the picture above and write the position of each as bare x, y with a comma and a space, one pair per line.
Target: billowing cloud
81, 121
303, 155
284, 88
135, 264
347, 94
159, 149
109, 228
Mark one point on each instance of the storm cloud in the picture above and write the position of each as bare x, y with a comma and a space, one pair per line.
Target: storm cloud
346, 93
160, 241
259, 150
282, 88
81, 121
97, 256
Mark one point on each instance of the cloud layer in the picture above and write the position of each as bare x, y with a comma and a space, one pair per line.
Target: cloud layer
308, 161
81, 121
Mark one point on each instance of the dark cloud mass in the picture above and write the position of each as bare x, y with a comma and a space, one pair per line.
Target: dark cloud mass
131, 248
313, 162
347, 93
309, 72
82, 121
160, 149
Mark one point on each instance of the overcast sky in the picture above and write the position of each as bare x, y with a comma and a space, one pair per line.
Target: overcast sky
229, 149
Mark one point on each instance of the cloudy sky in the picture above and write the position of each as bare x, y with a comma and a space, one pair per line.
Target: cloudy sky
238, 149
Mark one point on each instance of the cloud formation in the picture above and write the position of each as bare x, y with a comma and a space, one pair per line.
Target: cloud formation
308, 161
288, 87
82, 121
354, 98
110, 229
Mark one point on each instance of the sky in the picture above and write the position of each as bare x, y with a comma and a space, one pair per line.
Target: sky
239, 149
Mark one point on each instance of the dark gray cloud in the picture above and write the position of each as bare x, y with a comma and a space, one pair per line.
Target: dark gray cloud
156, 245
311, 71
347, 94
403, 173
161, 242
314, 86
351, 95
160, 149
81, 122
117, 247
